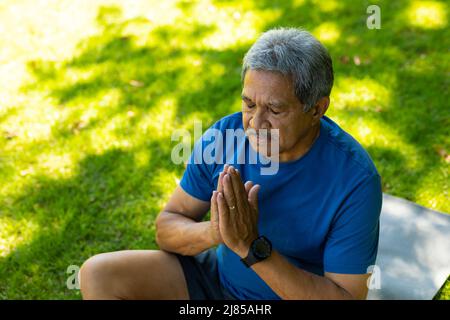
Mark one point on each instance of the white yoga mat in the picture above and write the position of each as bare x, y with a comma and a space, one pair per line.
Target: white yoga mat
414, 251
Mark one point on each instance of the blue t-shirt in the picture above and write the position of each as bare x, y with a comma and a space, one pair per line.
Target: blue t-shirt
321, 211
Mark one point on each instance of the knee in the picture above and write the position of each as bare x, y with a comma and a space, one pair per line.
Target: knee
95, 276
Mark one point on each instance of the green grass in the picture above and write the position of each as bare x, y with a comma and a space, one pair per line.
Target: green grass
92, 90
444, 292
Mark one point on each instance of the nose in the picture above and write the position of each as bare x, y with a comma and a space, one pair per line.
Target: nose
259, 120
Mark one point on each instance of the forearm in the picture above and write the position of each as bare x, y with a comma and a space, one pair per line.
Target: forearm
291, 282
180, 234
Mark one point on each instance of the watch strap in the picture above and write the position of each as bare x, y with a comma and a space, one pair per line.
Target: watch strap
250, 259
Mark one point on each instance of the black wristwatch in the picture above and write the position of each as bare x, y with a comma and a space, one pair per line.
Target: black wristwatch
260, 249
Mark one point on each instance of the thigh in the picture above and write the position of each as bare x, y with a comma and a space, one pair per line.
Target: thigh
202, 276
134, 274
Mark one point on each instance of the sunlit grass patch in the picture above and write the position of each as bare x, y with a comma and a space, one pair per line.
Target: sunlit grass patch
165, 182
159, 122
427, 14
235, 23
327, 6
359, 93
327, 32
14, 233
434, 192
32, 120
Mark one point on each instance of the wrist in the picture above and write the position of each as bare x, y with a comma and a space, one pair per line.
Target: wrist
243, 250
208, 234
259, 250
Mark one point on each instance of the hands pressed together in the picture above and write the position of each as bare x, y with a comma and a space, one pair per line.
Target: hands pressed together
234, 212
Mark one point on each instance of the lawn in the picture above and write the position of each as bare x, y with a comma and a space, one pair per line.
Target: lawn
91, 91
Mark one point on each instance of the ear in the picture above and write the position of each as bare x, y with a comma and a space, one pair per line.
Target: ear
320, 108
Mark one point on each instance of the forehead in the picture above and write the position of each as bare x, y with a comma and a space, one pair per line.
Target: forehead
268, 85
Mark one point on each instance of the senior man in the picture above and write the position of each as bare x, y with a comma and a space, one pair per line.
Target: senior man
308, 230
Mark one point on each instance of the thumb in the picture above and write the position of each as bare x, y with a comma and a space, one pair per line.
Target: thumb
214, 217
253, 196
248, 185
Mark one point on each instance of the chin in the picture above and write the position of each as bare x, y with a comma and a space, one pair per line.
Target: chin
262, 147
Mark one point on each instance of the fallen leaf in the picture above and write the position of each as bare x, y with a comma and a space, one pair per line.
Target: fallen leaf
136, 83
442, 153
9, 134
344, 59
77, 126
25, 172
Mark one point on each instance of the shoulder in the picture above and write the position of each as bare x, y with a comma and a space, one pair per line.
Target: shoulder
346, 149
231, 121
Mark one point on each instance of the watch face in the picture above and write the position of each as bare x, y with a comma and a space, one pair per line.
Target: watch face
261, 248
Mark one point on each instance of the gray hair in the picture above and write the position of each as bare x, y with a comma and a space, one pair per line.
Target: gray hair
296, 53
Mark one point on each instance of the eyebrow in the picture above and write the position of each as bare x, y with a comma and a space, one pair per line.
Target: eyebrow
276, 104
244, 97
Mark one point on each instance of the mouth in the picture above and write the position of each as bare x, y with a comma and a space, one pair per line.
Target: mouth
252, 133
260, 140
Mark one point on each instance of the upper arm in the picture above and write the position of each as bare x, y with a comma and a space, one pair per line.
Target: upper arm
354, 284
183, 203
191, 197
351, 244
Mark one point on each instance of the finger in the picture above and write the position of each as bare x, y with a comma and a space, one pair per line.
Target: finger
228, 191
215, 217
224, 215
230, 199
238, 189
248, 185
236, 171
242, 204
253, 201
236, 178
214, 208
253, 196
220, 182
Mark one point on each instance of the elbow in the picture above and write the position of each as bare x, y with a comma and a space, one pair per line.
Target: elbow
164, 232
158, 240
353, 296
159, 233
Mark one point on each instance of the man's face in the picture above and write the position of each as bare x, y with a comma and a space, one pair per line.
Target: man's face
269, 102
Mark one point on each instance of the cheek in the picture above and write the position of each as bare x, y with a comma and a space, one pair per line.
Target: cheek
287, 132
283, 136
247, 117
245, 120
278, 125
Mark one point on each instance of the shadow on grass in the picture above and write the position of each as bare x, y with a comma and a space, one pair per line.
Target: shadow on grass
165, 67
111, 202
142, 75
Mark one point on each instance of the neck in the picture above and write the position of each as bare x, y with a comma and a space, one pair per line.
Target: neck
302, 145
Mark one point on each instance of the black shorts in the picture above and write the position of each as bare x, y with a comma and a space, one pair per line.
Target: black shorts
202, 276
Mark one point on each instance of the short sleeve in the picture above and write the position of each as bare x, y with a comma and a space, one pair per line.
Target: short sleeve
352, 242
197, 179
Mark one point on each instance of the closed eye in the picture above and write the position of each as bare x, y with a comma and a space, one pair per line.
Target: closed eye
274, 112
248, 102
